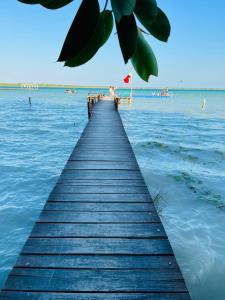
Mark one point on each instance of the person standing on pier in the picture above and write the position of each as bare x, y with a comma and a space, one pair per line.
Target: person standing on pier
112, 91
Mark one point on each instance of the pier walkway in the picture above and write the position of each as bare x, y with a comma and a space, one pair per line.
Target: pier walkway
99, 236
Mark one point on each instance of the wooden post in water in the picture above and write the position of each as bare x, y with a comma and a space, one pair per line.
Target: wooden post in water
89, 108
116, 103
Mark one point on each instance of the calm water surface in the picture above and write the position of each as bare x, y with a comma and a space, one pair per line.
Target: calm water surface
179, 146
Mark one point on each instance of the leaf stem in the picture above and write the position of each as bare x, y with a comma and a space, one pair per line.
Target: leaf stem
106, 3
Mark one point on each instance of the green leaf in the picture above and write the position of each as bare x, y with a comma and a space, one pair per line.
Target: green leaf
153, 19
144, 60
51, 4
29, 1
127, 35
81, 29
106, 27
146, 11
122, 8
55, 4
160, 28
100, 36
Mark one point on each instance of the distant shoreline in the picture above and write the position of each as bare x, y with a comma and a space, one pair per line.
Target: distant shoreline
5, 86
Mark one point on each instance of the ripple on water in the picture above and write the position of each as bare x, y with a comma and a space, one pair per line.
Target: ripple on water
35, 144
182, 156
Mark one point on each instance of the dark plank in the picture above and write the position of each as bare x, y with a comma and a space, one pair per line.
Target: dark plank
103, 165
101, 157
98, 230
96, 262
97, 246
99, 189
98, 217
113, 207
101, 174
104, 149
115, 182
100, 197
106, 154
153, 280
92, 296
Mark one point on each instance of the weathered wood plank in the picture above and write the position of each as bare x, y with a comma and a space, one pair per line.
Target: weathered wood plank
101, 174
116, 154
101, 157
96, 262
99, 189
82, 280
98, 230
100, 197
111, 207
98, 217
112, 246
103, 165
115, 182
92, 296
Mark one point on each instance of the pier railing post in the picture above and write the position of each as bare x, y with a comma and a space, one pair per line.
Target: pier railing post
89, 107
116, 102
91, 100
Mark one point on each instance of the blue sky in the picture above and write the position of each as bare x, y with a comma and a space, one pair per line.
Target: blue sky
32, 37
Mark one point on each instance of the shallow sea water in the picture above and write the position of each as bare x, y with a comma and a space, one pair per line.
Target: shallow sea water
179, 146
181, 151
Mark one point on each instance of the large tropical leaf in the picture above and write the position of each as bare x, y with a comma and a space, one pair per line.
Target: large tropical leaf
55, 4
160, 28
81, 29
100, 36
51, 4
143, 60
106, 27
146, 11
127, 34
30, 1
153, 19
122, 8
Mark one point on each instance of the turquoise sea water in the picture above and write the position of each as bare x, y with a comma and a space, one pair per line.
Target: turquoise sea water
179, 146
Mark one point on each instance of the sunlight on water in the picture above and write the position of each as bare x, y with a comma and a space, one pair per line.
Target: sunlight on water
179, 146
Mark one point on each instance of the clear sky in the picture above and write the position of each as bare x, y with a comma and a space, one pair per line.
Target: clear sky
32, 37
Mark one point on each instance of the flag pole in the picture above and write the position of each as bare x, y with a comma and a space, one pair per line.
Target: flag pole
131, 88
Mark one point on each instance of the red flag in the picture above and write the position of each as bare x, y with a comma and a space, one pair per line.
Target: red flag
127, 79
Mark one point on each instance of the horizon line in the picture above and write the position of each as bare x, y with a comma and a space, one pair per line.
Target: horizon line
55, 85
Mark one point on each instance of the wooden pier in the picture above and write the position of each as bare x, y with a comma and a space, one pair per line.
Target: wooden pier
99, 236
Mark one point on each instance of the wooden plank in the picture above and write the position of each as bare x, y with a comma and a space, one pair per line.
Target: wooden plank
101, 157
98, 217
100, 197
98, 230
82, 280
126, 246
115, 182
101, 174
111, 262
99, 189
115, 153
102, 147
92, 296
103, 165
104, 206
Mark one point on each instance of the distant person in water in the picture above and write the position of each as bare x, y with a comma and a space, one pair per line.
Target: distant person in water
30, 101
